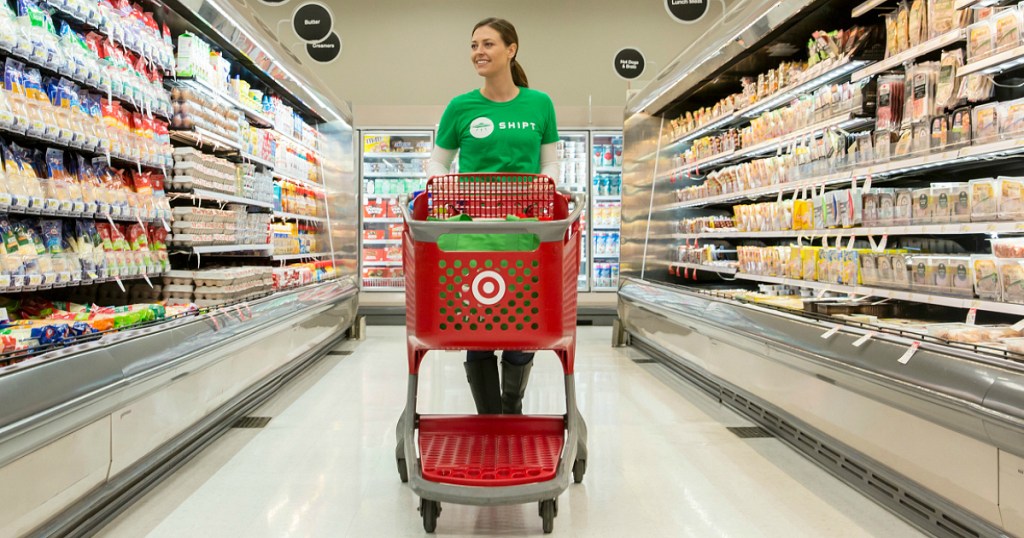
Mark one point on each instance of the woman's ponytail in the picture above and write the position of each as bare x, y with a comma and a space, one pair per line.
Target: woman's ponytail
518, 75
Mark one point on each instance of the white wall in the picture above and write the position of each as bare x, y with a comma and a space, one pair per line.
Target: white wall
403, 60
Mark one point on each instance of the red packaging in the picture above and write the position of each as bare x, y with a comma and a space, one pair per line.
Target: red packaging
373, 235
375, 209
395, 231
143, 183
138, 238
95, 43
106, 235
374, 254
394, 253
393, 209
157, 237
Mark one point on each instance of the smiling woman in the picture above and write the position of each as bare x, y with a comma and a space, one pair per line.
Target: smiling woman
502, 127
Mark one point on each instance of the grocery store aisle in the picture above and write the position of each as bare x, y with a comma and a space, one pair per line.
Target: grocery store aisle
662, 462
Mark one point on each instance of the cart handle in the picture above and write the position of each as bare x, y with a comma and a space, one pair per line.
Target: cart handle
546, 231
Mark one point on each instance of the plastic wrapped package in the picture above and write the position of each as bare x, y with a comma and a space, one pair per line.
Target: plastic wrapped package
947, 89
962, 276
944, 273
986, 277
903, 27
922, 273
1011, 119
1011, 279
986, 122
960, 201
1006, 30
892, 44
980, 40
917, 23
1008, 247
900, 264
1011, 198
939, 133
869, 269
985, 194
869, 202
921, 95
978, 88
903, 209
960, 127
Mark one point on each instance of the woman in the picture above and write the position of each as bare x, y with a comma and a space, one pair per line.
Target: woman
503, 127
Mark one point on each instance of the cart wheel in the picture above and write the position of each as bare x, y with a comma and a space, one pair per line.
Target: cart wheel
429, 510
403, 471
579, 468
547, 512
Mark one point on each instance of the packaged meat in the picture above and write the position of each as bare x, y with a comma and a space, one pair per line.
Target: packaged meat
903, 27
980, 40
947, 89
900, 267
942, 17
939, 133
1006, 32
885, 272
962, 275
923, 211
958, 200
869, 201
1008, 247
1011, 118
1011, 278
985, 195
869, 269
960, 130
886, 206
1011, 199
904, 208
986, 122
986, 277
918, 23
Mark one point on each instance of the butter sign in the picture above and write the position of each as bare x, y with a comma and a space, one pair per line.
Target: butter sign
687, 11
312, 22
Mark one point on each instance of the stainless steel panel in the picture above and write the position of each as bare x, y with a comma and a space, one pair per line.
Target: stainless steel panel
44, 400
954, 388
640, 139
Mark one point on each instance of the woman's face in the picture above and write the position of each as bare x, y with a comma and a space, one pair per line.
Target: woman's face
489, 53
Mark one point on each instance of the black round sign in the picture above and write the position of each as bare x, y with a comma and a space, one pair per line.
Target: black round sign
629, 63
325, 51
312, 22
687, 11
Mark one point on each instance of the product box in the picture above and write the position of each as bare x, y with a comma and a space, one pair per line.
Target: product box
900, 267
395, 231
373, 235
903, 211
376, 144
394, 211
1011, 279
869, 269
375, 208
923, 211
962, 275
394, 253
985, 194
375, 254
1011, 198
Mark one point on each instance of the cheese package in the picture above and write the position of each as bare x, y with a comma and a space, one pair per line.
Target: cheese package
922, 273
886, 206
942, 205
869, 269
869, 201
960, 130
1011, 118
924, 206
900, 270
904, 209
943, 275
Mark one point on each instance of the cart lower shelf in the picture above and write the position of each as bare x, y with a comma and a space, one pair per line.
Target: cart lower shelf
490, 450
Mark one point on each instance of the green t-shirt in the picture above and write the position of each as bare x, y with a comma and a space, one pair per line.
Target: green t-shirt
498, 137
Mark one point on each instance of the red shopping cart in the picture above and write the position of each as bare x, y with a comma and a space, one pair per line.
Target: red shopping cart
521, 299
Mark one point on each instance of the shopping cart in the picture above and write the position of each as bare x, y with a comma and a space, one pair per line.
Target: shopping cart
509, 300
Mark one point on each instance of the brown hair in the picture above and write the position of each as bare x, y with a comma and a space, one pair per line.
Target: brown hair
508, 36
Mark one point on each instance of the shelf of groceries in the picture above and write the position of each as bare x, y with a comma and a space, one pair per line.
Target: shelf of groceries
107, 170
918, 207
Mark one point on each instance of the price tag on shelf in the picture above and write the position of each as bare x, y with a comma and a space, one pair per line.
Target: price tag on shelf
166, 225
972, 316
882, 243
146, 278
867, 185
799, 240
1019, 326
864, 339
822, 292
779, 199
849, 244
853, 184
909, 353
110, 220
830, 333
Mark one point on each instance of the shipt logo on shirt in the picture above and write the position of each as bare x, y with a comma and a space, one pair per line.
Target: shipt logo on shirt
481, 127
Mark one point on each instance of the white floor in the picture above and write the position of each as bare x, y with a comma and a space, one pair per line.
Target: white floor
662, 462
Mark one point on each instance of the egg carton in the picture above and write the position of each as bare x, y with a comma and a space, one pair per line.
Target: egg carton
178, 277
186, 227
191, 240
178, 296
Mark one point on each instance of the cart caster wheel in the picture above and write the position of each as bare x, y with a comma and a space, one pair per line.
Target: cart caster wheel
579, 468
429, 510
403, 471
548, 510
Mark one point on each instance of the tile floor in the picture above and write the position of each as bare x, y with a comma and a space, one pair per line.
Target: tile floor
662, 462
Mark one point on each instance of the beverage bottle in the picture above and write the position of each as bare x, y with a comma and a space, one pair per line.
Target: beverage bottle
598, 155
609, 156
614, 275
617, 154
616, 185
600, 245
614, 248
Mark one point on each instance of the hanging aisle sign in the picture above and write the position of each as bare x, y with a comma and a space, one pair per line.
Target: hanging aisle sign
312, 22
629, 64
325, 51
687, 11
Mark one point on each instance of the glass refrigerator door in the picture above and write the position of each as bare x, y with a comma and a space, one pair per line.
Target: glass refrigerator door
606, 208
574, 154
393, 163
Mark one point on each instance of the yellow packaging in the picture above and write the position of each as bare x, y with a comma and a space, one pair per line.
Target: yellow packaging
376, 144
803, 215
809, 262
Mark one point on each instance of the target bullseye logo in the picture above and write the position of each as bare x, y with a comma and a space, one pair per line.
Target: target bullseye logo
488, 287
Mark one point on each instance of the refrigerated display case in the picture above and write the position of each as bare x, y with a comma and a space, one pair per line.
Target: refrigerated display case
887, 351
606, 208
393, 164
574, 151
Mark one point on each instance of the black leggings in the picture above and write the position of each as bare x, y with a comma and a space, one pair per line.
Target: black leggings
518, 358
